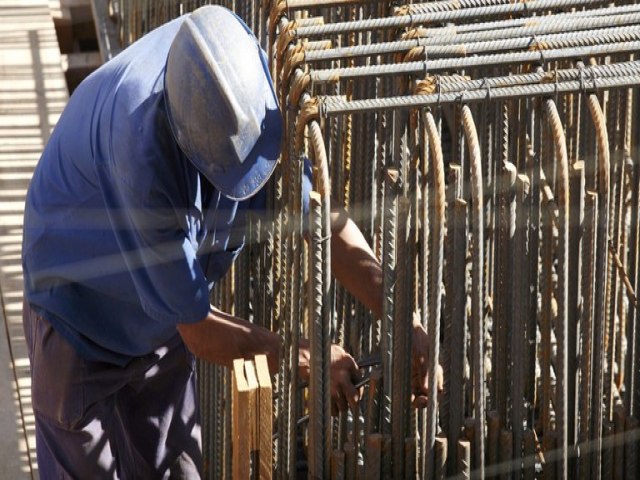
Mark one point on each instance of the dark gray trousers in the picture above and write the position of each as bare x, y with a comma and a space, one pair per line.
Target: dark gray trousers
97, 420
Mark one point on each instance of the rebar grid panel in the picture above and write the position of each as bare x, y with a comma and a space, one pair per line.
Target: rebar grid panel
488, 151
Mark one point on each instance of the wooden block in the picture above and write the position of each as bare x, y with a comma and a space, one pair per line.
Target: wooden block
252, 381
265, 418
240, 406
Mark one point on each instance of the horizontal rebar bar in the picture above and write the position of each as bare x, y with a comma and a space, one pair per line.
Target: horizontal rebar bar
427, 66
496, 25
587, 75
454, 45
439, 6
403, 21
337, 105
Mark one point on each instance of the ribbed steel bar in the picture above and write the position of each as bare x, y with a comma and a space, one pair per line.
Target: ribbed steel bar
403, 21
587, 75
293, 307
546, 289
389, 271
611, 107
477, 300
317, 407
523, 21
337, 106
313, 4
437, 227
401, 345
456, 315
520, 304
447, 5
589, 233
601, 277
286, 430
505, 222
562, 199
321, 164
574, 299
551, 34
427, 66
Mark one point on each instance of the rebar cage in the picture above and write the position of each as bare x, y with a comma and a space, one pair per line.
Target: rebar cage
487, 149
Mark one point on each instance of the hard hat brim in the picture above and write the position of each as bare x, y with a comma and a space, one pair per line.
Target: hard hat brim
245, 180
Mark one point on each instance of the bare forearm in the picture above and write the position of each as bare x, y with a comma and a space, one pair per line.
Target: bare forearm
220, 338
353, 262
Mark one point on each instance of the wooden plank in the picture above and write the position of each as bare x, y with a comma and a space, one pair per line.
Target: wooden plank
252, 381
240, 405
265, 417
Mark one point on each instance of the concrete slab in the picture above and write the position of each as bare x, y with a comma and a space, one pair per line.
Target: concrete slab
32, 95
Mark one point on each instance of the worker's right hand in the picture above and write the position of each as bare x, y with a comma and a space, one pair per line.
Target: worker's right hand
344, 373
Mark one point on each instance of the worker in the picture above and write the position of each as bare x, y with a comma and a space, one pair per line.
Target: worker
135, 210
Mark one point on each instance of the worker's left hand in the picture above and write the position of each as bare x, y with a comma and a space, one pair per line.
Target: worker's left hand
420, 366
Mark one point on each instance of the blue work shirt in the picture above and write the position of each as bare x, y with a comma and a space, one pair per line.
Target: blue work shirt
123, 237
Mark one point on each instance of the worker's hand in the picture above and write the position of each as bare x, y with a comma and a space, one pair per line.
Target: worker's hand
344, 372
420, 366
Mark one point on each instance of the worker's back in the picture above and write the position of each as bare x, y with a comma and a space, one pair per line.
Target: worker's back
112, 179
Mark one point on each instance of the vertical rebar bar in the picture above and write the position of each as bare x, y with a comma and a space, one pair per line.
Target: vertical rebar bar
477, 311
601, 277
562, 327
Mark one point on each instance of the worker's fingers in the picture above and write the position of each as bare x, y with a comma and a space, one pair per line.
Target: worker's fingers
344, 372
338, 403
350, 392
420, 367
343, 392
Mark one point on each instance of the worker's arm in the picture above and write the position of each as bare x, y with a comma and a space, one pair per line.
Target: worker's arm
220, 338
356, 267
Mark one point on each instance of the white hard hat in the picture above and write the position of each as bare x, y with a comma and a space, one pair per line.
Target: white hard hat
222, 107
